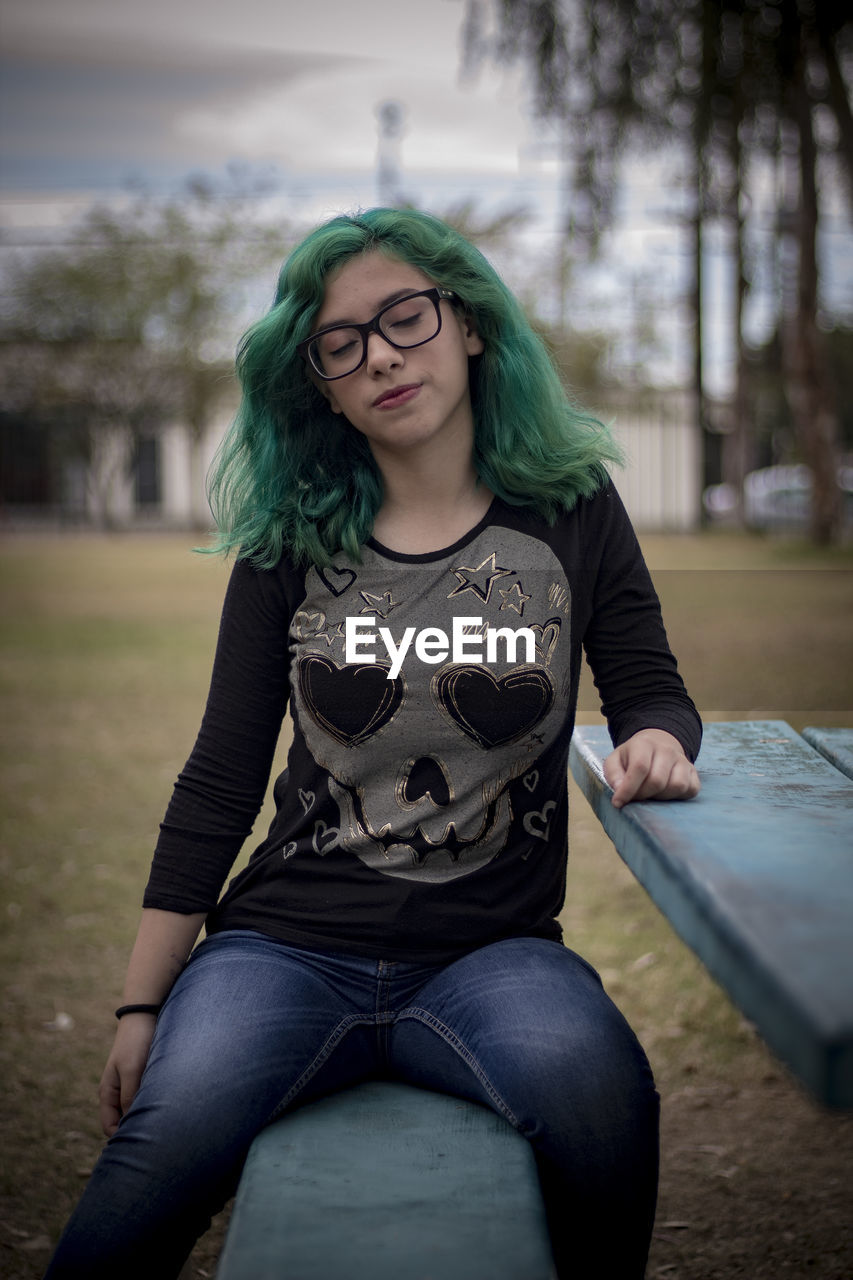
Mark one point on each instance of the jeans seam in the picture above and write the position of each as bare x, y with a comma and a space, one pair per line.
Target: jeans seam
322, 1056
450, 1037
383, 1015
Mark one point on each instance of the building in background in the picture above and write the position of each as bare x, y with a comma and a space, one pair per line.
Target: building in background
153, 478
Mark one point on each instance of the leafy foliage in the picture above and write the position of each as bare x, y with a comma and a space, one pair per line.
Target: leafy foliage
127, 324
732, 87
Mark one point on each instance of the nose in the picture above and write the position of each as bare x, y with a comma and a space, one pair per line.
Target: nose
381, 354
426, 777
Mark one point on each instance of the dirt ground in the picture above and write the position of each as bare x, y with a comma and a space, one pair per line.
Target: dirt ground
755, 1182
756, 1179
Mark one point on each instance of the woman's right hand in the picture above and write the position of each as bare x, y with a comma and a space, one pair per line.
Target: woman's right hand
163, 942
124, 1068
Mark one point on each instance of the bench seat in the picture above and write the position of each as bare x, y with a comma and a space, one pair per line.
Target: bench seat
756, 875
384, 1181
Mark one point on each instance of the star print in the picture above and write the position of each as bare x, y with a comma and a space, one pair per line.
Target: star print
514, 598
310, 625
331, 636
380, 605
482, 589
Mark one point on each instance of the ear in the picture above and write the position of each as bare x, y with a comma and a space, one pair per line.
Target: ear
474, 344
325, 389
332, 399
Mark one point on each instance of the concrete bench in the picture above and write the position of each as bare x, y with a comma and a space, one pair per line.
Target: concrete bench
756, 875
388, 1182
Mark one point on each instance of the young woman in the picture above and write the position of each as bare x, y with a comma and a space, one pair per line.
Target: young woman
427, 541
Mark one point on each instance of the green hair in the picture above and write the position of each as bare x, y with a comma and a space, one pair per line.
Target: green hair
292, 475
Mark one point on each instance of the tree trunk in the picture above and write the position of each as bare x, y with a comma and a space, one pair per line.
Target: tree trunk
696, 299
744, 422
838, 99
807, 373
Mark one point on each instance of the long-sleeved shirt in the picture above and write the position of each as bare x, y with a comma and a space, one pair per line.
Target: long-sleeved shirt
423, 811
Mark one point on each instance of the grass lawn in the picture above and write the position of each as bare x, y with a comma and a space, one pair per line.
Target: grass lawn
105, 649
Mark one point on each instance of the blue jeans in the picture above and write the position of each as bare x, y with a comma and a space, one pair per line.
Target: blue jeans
253, 1026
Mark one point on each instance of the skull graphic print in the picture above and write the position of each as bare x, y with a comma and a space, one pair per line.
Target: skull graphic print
423, 687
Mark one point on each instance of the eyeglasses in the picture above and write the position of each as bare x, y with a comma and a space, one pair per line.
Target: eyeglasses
408, 322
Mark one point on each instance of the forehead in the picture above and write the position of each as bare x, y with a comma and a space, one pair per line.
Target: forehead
358, 289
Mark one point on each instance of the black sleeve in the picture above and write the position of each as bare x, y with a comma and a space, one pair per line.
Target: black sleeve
633, 666
221, 788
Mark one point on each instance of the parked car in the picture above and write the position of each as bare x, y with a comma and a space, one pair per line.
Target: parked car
775, 498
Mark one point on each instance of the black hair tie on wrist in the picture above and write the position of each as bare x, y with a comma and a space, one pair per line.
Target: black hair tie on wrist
138, 1008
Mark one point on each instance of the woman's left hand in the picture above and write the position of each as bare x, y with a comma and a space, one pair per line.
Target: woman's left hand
651, 765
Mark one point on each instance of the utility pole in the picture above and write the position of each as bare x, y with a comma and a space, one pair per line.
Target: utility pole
391, 117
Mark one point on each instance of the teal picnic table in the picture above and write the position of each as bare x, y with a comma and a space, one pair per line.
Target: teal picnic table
756, 875
388, 1182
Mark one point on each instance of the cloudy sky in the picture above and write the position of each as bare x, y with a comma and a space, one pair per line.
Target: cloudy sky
97, 93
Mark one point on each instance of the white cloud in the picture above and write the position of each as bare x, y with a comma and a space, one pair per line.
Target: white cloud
387, 30
324, 121
103, 85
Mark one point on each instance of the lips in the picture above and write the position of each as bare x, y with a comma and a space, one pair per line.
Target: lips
396, 396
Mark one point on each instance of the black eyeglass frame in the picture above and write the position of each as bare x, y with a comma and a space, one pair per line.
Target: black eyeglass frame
436, 295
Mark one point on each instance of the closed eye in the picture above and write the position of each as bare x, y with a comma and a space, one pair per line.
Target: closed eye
406, 314
339, 344
341, 349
